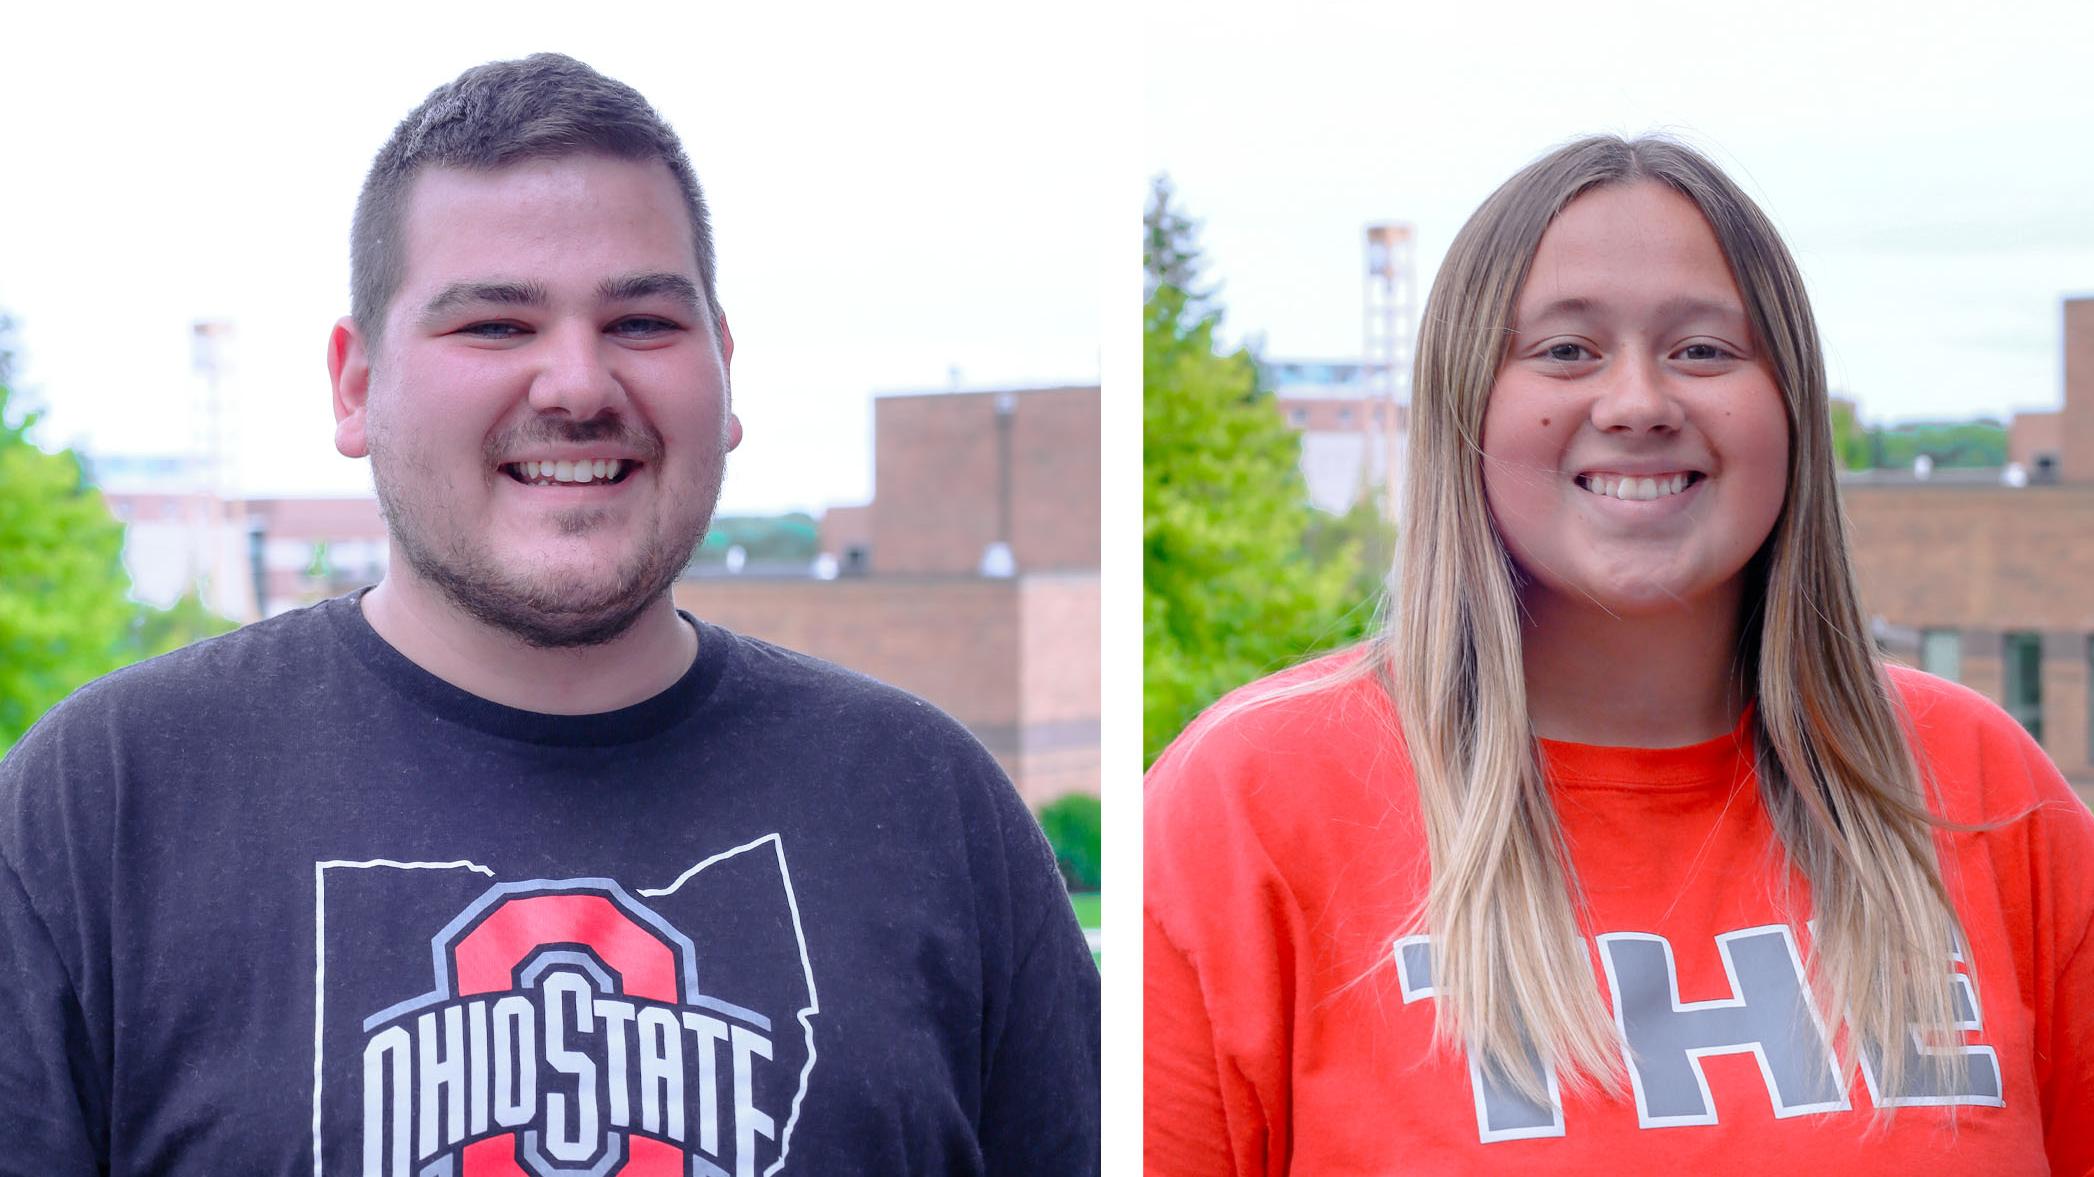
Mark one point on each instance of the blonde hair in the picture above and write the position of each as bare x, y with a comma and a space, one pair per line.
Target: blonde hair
1835, 771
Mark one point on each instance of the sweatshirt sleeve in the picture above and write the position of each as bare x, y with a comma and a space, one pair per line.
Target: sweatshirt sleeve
2063, 845
1185, 1130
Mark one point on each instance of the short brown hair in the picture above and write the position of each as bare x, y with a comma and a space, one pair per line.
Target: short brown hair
545, 106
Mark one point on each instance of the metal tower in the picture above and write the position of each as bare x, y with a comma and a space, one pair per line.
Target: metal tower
1391, 341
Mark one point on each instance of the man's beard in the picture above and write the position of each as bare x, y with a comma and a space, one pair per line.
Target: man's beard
541, 613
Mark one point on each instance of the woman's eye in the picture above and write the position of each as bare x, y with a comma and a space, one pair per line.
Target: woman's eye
1704, 352
1565, 352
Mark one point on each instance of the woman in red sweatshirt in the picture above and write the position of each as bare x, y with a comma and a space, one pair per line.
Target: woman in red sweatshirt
1618, 850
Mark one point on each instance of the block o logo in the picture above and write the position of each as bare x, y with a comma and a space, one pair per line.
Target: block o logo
566, 1034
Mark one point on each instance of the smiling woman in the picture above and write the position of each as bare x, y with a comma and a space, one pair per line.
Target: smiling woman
1621, 802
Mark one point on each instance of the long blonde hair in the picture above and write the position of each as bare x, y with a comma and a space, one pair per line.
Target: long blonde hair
1835, 771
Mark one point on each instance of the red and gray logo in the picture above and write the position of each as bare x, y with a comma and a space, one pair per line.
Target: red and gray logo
568, 1032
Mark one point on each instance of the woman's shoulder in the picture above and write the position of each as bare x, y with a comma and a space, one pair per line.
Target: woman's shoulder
1985, 764
1280, 760
1321, 712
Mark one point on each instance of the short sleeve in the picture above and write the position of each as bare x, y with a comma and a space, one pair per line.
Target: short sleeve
48, 1101
1040, 1087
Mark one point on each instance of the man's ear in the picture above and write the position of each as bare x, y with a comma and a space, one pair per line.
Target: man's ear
349, 368
734, 423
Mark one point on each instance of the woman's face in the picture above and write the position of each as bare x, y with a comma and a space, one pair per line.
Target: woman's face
1635, 445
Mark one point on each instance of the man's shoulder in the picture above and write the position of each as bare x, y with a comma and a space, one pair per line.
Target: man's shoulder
792, 685
253, 662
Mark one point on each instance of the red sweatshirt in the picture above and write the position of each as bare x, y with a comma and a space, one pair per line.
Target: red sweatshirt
1285, 1033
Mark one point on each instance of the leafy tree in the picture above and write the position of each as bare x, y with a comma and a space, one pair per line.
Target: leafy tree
159, 631
64, 614
1366, 543
1850, 442
1229, 590
1073, 827
1981, 443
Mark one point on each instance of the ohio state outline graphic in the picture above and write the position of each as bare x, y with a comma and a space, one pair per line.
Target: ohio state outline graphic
559, 1026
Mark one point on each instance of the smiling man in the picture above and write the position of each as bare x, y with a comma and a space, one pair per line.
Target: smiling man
504, 865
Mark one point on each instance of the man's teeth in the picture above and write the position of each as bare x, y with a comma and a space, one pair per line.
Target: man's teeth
549, 473
1639, 490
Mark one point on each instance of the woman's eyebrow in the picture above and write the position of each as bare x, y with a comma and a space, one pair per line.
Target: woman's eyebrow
1671, 310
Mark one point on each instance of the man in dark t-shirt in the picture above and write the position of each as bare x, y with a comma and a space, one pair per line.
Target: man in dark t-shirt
505, 865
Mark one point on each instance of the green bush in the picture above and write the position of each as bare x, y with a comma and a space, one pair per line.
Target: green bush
1072, 825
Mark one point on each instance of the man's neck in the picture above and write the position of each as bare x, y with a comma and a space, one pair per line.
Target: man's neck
458, 648
1662, 680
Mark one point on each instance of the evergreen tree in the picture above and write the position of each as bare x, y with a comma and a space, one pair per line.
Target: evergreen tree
1229, 591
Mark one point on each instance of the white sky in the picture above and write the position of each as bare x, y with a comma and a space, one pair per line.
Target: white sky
1931, 164
897, 191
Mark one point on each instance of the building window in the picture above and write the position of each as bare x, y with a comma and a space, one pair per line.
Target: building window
1941, 653
1345, 416
2024, 666
1298, 417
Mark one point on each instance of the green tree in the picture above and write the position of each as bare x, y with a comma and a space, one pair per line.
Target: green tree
1229, 589
1074, 829
65, 616
1850, 442
158, 631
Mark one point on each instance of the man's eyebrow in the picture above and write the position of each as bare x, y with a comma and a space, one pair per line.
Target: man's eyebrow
457, 294
632, 287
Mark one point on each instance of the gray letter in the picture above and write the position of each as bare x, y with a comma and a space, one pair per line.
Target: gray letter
562, 984
393, 1041
441, 1079
1769, 1015
748, 1122
710, 1032
1502, 1112
1975, 1077
661, 1073
515, 1061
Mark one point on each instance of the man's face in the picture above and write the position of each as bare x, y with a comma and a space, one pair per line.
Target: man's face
547, 414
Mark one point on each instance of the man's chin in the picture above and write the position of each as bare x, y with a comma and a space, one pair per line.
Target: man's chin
554, 609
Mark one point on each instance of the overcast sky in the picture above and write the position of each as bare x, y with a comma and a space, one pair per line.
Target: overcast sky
898, 192
1929, 163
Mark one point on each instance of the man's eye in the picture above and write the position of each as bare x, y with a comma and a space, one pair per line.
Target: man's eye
644, 326
491, 330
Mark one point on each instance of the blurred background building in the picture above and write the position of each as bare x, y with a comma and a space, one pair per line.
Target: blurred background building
971, 579
1986, 575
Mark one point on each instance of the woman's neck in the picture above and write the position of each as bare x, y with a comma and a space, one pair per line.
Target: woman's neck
1661, 680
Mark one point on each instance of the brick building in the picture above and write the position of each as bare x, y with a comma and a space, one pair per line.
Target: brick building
1987, 576
1351, 440
250, 557
1007, 643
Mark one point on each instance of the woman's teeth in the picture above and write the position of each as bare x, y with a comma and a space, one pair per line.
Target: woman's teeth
551, 473
1638, 490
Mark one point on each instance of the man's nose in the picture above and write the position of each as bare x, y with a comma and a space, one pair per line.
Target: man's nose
577, 374
1636, 396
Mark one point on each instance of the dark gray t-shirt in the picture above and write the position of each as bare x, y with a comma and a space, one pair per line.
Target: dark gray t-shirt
285, 895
